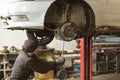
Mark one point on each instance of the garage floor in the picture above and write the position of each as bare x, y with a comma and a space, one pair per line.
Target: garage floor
103, 77
107, 77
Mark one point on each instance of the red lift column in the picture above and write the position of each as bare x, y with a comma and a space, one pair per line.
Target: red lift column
86, 58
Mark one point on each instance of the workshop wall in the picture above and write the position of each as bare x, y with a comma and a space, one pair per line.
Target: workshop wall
69, 46
11, 38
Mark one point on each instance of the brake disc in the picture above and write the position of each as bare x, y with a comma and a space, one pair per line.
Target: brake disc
68, 31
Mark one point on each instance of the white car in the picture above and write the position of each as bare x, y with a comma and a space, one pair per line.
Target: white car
49, 18
44, 19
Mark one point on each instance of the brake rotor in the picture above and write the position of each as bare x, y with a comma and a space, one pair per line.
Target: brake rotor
68, 31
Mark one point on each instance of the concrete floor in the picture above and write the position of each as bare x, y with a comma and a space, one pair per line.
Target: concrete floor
107, 77
102, 77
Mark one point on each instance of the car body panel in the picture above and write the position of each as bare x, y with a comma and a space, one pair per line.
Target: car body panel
107, 13
27, 14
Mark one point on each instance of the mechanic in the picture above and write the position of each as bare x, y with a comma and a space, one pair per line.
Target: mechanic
27, 62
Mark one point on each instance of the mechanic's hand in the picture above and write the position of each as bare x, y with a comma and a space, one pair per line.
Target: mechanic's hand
60, 61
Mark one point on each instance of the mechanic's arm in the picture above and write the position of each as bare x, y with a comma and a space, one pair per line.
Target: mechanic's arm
41, 66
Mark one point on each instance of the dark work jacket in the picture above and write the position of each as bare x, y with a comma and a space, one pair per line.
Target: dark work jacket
25, 65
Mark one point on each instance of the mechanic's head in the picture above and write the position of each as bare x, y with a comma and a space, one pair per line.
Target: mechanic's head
30, 45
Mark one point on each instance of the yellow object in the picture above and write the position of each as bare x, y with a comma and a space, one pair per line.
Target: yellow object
48, 75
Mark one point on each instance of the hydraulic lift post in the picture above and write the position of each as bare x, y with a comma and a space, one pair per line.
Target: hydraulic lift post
86, 58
